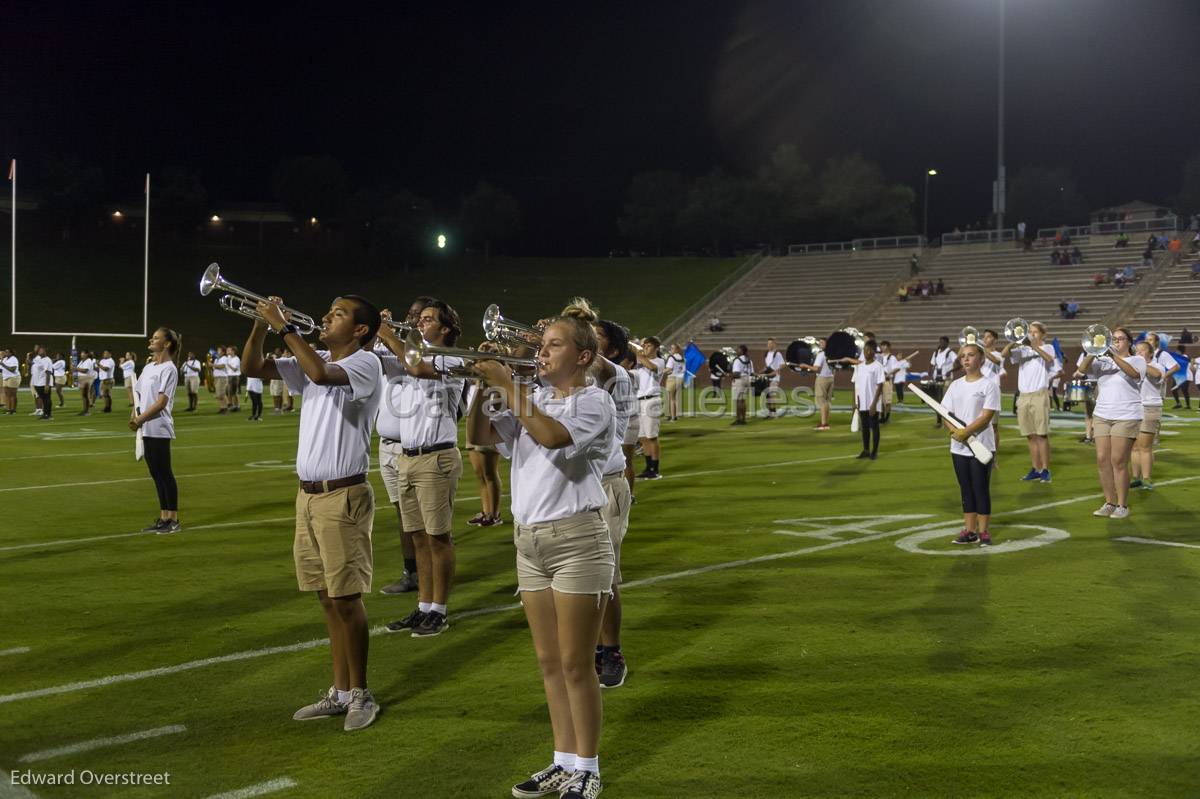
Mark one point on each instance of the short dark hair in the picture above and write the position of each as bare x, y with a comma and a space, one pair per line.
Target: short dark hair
447, 317
993, 332
655, 341
945, 339
885, 343
618, 339
365, 313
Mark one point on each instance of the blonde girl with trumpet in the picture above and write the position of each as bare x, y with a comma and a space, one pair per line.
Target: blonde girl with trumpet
559, 438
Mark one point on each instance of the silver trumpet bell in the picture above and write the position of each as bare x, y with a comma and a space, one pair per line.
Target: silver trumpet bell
968, 335
416, 350
1097, 340
1016, 330
243, 301
505, 331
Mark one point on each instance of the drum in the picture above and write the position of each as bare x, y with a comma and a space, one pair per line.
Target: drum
761, 383
1078, 391
799, 352
933, 388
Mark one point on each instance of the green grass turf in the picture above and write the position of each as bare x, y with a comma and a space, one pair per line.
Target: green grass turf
857, 669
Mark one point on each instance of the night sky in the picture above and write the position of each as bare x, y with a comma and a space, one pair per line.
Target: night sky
561, 103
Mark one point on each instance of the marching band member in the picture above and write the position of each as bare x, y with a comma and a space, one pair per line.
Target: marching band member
1035, 362
420, 462
773, 368
559, 440
335, 506
650, 405
674, 366
1089, 407
85, 373
868, 393
993, 369
1142, 462
60, 376
221, 380
1118, 418
233, 379
485, 460
941, 368
619, 352
155, 391
823, 385
129, 374
254, 389
191, 380
743, 371
108, 370
276, 387
888, 361
10, 380
41, 377
1164, 362
974, 399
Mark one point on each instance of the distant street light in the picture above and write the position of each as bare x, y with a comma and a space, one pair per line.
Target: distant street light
929, 173
117, 215
215, 219
312, 220
441, 241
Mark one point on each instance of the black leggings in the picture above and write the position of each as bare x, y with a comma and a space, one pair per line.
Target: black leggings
44, 395
158, 460
973, 478
868, 425
1187, 394
255, 403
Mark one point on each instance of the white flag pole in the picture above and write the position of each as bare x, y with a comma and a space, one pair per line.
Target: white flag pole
12, 176
146, 266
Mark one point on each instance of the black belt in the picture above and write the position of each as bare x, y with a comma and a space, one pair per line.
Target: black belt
412, 453
321, 486
650, 396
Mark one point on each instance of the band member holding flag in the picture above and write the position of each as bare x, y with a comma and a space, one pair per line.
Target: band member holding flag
974, 399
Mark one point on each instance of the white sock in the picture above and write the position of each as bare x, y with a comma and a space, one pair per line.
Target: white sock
564, 760
343, 697
424, 606
436, 608
591, 764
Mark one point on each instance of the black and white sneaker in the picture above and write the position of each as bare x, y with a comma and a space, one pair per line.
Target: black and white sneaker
549, 780
407, 623
169, 526
157, 527
583, 785
433, 624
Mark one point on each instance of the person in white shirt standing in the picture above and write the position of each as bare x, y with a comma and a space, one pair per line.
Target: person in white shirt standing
992, 367
60, 376
85, 373
108, 370
773, 369
221, 380
559, 439
823, 386
233, 379
419, 459
129, 375
254, 390
335, 507
41, 377
1141, 464
1035, 362
191, 380
674, 366
888, 361
649, 394
10, 380
1118, 418
155, 392
973, 399
868, 397
743, 371
941, 367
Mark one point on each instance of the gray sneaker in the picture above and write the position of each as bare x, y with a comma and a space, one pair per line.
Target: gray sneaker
362, 710
612, 669
583, 785
326, 706
402, 586
169, 526
550, 780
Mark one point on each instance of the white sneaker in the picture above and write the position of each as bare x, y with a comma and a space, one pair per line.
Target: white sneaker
326, 706
1120, 512
362, 710
1105, 510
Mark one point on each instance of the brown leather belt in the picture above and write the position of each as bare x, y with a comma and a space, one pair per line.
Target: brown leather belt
322, 486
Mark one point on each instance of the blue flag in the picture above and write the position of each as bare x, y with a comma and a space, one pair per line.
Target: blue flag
693, 359
1180, 377
1058, 351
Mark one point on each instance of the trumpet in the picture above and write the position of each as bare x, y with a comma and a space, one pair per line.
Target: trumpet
416, 350
968, 335
1016, 330
1097, 340
243, 301
505, 331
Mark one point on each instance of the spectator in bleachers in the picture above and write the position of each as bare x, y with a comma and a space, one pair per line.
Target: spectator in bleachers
1055, 257
714, 325
1186, 337
1130, 273
1196, 270
1151, 243
1122, 240
941, 286
914, 265
925, 289
1175, 247
1076, 256
1099, 279
903, 294
1163, 241
1118, 280
1068, 309
1147, 257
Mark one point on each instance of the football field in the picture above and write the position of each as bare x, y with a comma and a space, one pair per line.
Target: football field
796, 623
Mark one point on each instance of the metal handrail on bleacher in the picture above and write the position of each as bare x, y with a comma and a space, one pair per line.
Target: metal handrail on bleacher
877, 243
979, 236
1096, 228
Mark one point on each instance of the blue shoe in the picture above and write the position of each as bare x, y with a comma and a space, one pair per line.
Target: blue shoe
1045, 475
1034, 474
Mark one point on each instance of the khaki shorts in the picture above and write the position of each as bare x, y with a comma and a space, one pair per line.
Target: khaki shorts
1151, 419
60, 380
1033, 413
649, 415
192, 384
332, 549
231, 385
12, 382
824, 391
423, 485
741, 388
633, 431
106, 388
887, 392
276, 388
674, 385
572, 555
222, 385
616, 516
1107, 428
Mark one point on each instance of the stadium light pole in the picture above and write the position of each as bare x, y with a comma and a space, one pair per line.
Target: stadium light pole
1001, 189
929, 173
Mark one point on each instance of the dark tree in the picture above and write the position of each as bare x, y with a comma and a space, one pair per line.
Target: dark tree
652, 209
489, 215
855, 200
716, 210
783, 198
311, 186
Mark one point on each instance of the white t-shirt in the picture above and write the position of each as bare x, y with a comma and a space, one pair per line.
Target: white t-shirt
191, 368
1034, 371
335, 421
967, 401
41, 371
10, 367
1119, 396
108, 368
868, 377
648, 385
419, 412
620, 388
1151, 388
129, 371
743, 367
941, 363
60, 368
552, 484
773, 361
888, 362
901, 366
254, 385
1164, 361
1194, 368
219, 366
86, 369
822, 364
233, 366
158, 378
674, 365
993, 371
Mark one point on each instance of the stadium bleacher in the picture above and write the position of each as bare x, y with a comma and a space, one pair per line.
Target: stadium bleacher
1173, 304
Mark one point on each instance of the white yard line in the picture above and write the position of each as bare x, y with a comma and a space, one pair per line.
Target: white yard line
127, 450
1085, 497
261, 789
10, 791
1133, 539
16, 650
101, 743
143, 478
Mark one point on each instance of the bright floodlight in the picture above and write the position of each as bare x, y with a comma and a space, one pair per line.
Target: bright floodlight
312, 220
117, 214
932, 172
215, 219
441, 241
